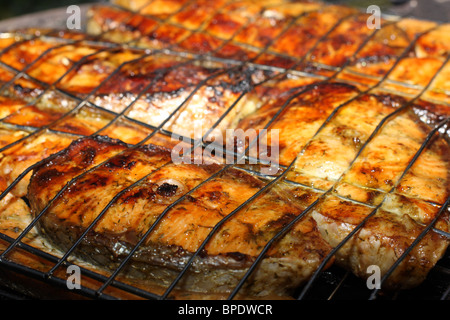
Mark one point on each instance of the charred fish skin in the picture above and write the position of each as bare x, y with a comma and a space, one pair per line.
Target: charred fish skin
224, 259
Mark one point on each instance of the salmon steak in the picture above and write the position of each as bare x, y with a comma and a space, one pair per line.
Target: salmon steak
156, 183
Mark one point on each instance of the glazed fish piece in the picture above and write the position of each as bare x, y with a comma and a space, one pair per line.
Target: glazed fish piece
384, 237
313, 37
22, 155
224, 259
325, 132
301, 116
238, 30
25, 139
155, 89
410, 198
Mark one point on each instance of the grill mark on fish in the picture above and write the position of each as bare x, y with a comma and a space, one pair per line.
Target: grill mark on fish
194, 216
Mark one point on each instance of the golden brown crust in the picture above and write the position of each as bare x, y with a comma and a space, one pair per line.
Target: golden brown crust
282, 34
383, 238
182, 230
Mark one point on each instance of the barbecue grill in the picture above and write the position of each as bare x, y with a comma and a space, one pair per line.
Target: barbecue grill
43, 276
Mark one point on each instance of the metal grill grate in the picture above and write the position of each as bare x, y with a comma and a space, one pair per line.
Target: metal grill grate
324, 284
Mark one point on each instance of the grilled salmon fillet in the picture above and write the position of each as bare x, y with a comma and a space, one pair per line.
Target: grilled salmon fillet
224, 259
312, 37
173, 92
328, 139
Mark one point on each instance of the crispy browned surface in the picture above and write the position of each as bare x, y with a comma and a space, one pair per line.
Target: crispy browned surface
327, 158
184, 227
302, 116
384, 237
282, 34
198, 93
146, 88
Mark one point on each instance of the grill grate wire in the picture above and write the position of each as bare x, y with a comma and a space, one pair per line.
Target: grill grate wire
111, 281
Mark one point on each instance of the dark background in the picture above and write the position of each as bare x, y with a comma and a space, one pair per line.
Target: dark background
13, 8
428, 9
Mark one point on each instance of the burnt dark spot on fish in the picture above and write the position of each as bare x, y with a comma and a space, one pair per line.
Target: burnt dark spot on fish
190, 198
370, 197
390, 100
130, 27
120, 162
242, 86
130, 165
87, 155
100, 181
151, 149
357, 142
167, 189
368, 168
282, 221
214, 195
304, 197
141, 193
431, 113
47, 176
238, 256
104, 139
203, 253
212, 99
20, 90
